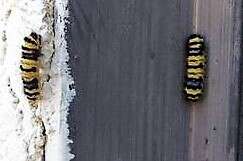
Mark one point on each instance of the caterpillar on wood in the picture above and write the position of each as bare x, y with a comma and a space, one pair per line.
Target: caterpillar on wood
29, 66
195, 68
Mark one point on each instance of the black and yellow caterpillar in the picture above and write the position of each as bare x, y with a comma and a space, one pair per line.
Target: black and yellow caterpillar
195, 68
29, 66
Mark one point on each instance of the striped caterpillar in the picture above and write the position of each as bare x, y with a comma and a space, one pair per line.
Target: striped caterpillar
195, 68
29, 66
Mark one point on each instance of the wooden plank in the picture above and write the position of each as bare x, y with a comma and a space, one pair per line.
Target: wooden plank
214, 121
240, 134
127, 61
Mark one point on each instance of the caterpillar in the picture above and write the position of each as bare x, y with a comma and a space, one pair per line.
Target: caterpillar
195, 67
29, 66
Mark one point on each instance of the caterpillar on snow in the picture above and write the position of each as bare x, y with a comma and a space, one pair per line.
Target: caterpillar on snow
195, 68
29, 66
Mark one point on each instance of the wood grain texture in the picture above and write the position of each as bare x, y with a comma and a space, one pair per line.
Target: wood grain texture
127, 61
214, 122
240, 134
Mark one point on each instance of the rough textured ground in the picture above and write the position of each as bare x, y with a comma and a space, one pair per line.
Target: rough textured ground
28, 134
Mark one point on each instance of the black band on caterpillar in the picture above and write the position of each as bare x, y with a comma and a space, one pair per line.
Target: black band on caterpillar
32, 55
31, 94
31, 98
30, 41
32, 69
30, 49
31, 85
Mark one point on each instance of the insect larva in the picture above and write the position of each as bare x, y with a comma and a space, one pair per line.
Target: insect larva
29, 66
195, 68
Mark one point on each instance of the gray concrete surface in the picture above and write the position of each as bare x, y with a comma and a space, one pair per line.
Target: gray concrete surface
127, 61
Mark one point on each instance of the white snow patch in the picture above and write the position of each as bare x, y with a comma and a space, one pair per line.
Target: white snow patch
20, 135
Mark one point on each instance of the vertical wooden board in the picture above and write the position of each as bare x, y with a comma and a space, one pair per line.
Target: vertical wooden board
214, 121
127, 62
240, 133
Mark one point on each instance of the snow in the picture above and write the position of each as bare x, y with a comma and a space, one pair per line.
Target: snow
22, 127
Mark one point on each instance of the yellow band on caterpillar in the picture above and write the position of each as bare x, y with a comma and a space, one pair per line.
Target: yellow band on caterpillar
30, 62
33, 103
27, 66
195, 63
195, 71
29, 75
198, 76
196, 46
193, 91
196, 39
31, 46
196, 58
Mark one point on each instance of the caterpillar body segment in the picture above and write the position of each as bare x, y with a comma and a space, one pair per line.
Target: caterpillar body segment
195, 68
29, 66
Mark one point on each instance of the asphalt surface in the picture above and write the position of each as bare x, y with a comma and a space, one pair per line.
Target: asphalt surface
127, 59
